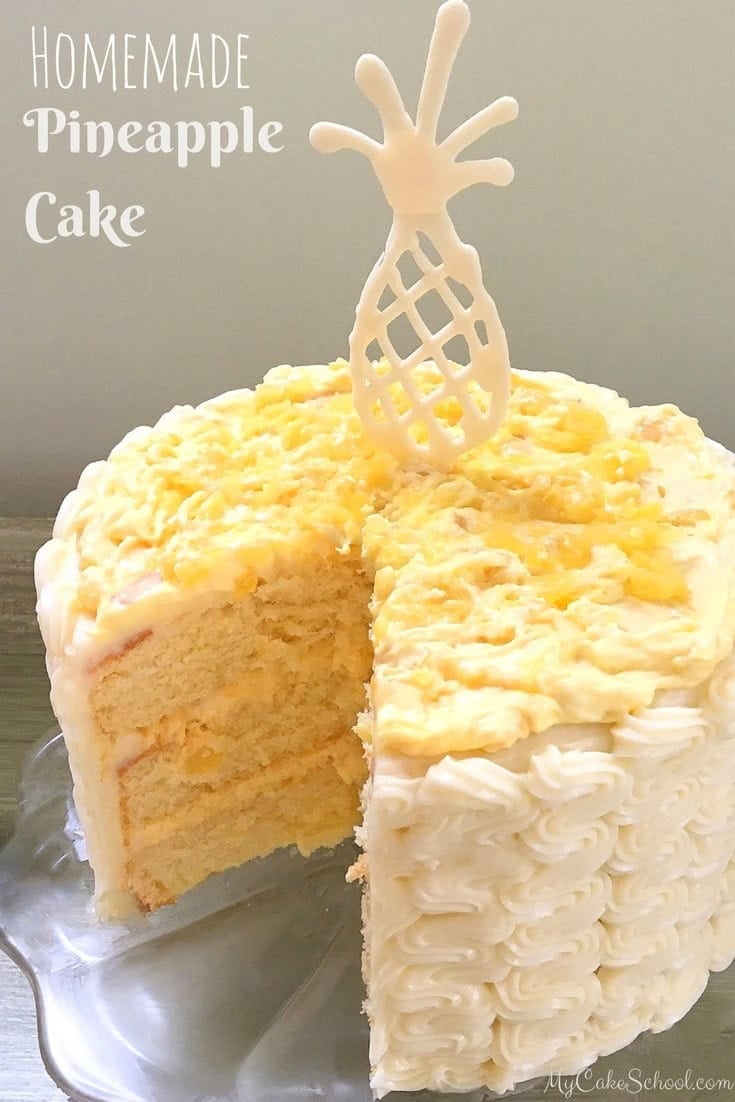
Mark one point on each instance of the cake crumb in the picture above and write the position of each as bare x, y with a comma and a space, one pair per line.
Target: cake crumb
357, 871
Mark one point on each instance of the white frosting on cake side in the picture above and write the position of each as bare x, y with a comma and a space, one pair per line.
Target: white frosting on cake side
533, 910
75, 647
69, 639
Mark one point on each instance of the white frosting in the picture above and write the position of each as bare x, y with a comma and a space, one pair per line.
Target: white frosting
530, 912
68, 637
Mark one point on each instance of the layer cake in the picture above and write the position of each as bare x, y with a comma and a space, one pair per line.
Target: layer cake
545, 748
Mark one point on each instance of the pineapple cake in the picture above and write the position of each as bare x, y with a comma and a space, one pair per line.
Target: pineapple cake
484, 619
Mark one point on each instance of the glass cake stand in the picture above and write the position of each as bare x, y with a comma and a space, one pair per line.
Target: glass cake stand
248, 989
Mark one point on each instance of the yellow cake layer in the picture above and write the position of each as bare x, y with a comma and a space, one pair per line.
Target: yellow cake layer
201, 726
269, 636
317, 804
233, 736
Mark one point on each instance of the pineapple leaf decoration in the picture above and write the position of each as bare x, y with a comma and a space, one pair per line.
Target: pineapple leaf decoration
420, 401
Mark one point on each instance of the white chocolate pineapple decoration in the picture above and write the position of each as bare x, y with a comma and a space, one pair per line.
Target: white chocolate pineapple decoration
414, 411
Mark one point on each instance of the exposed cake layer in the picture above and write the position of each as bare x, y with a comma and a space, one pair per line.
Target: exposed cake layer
533, 909
309, 799
233, 735
176, 732
257, 649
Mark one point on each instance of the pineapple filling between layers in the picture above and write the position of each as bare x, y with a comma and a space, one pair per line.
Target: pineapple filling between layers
244, 741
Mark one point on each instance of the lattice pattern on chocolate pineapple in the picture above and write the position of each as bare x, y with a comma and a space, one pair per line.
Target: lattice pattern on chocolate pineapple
426, 390
436, 413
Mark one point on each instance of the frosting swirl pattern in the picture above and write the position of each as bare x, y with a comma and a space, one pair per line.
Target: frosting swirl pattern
532, 910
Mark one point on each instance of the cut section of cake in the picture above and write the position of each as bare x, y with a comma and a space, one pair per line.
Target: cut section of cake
546, 634
205, 611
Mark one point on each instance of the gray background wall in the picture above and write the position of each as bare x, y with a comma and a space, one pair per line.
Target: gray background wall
611, 256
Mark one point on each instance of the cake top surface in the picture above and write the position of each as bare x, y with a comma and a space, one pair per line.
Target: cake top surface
210, 495
565, 570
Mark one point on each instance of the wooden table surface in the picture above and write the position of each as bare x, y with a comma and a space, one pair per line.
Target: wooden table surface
25, 715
